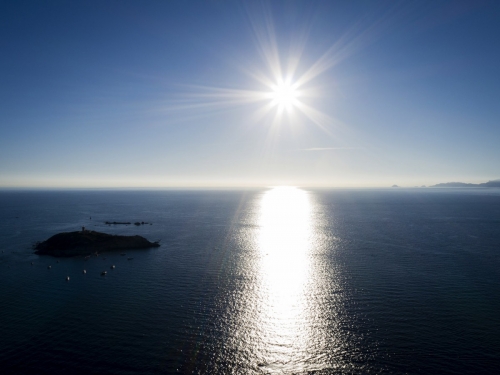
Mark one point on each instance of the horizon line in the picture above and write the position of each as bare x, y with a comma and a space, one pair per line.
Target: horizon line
220, 187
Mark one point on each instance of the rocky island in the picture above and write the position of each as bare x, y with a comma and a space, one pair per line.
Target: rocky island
87, 242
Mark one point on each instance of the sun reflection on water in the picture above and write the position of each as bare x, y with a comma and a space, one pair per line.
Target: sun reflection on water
285, 239
284, 306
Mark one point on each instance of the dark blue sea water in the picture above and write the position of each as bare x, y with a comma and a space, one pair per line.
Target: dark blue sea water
272, 281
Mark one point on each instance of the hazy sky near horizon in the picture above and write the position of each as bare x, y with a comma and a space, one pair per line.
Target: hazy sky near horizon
188, 93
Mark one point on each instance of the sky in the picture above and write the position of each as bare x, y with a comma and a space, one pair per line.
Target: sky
248, 94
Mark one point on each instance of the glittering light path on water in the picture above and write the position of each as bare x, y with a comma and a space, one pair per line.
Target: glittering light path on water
284, 241
282, 326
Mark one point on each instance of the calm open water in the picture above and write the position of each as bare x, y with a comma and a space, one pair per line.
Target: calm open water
274, 281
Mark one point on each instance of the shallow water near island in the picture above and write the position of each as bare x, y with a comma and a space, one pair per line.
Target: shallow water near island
271, 281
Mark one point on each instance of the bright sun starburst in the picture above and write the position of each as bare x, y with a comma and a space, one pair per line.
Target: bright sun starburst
284, 95
285, 90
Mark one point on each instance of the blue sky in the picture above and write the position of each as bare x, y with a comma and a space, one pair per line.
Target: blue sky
180, 93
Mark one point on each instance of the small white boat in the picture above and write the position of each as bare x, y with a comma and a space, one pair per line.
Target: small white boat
84, 271
103, 273
67, 278
49, 267
113, 267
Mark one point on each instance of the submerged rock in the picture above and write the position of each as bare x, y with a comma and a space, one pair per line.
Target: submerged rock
71, 244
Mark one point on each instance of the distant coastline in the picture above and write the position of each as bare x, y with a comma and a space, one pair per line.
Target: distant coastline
493, 183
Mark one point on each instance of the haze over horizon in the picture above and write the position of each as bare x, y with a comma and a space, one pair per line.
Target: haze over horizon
246, 94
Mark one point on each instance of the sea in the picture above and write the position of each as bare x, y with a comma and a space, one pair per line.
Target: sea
281, 280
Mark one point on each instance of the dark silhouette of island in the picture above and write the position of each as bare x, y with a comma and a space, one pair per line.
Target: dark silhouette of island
493, 183
85, 242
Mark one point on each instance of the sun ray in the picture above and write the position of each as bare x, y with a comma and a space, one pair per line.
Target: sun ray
265, 37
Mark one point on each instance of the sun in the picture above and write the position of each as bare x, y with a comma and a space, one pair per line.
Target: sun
284, 95
282, 91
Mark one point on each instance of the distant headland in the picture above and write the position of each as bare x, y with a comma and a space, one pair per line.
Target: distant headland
493, 183
85, 242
